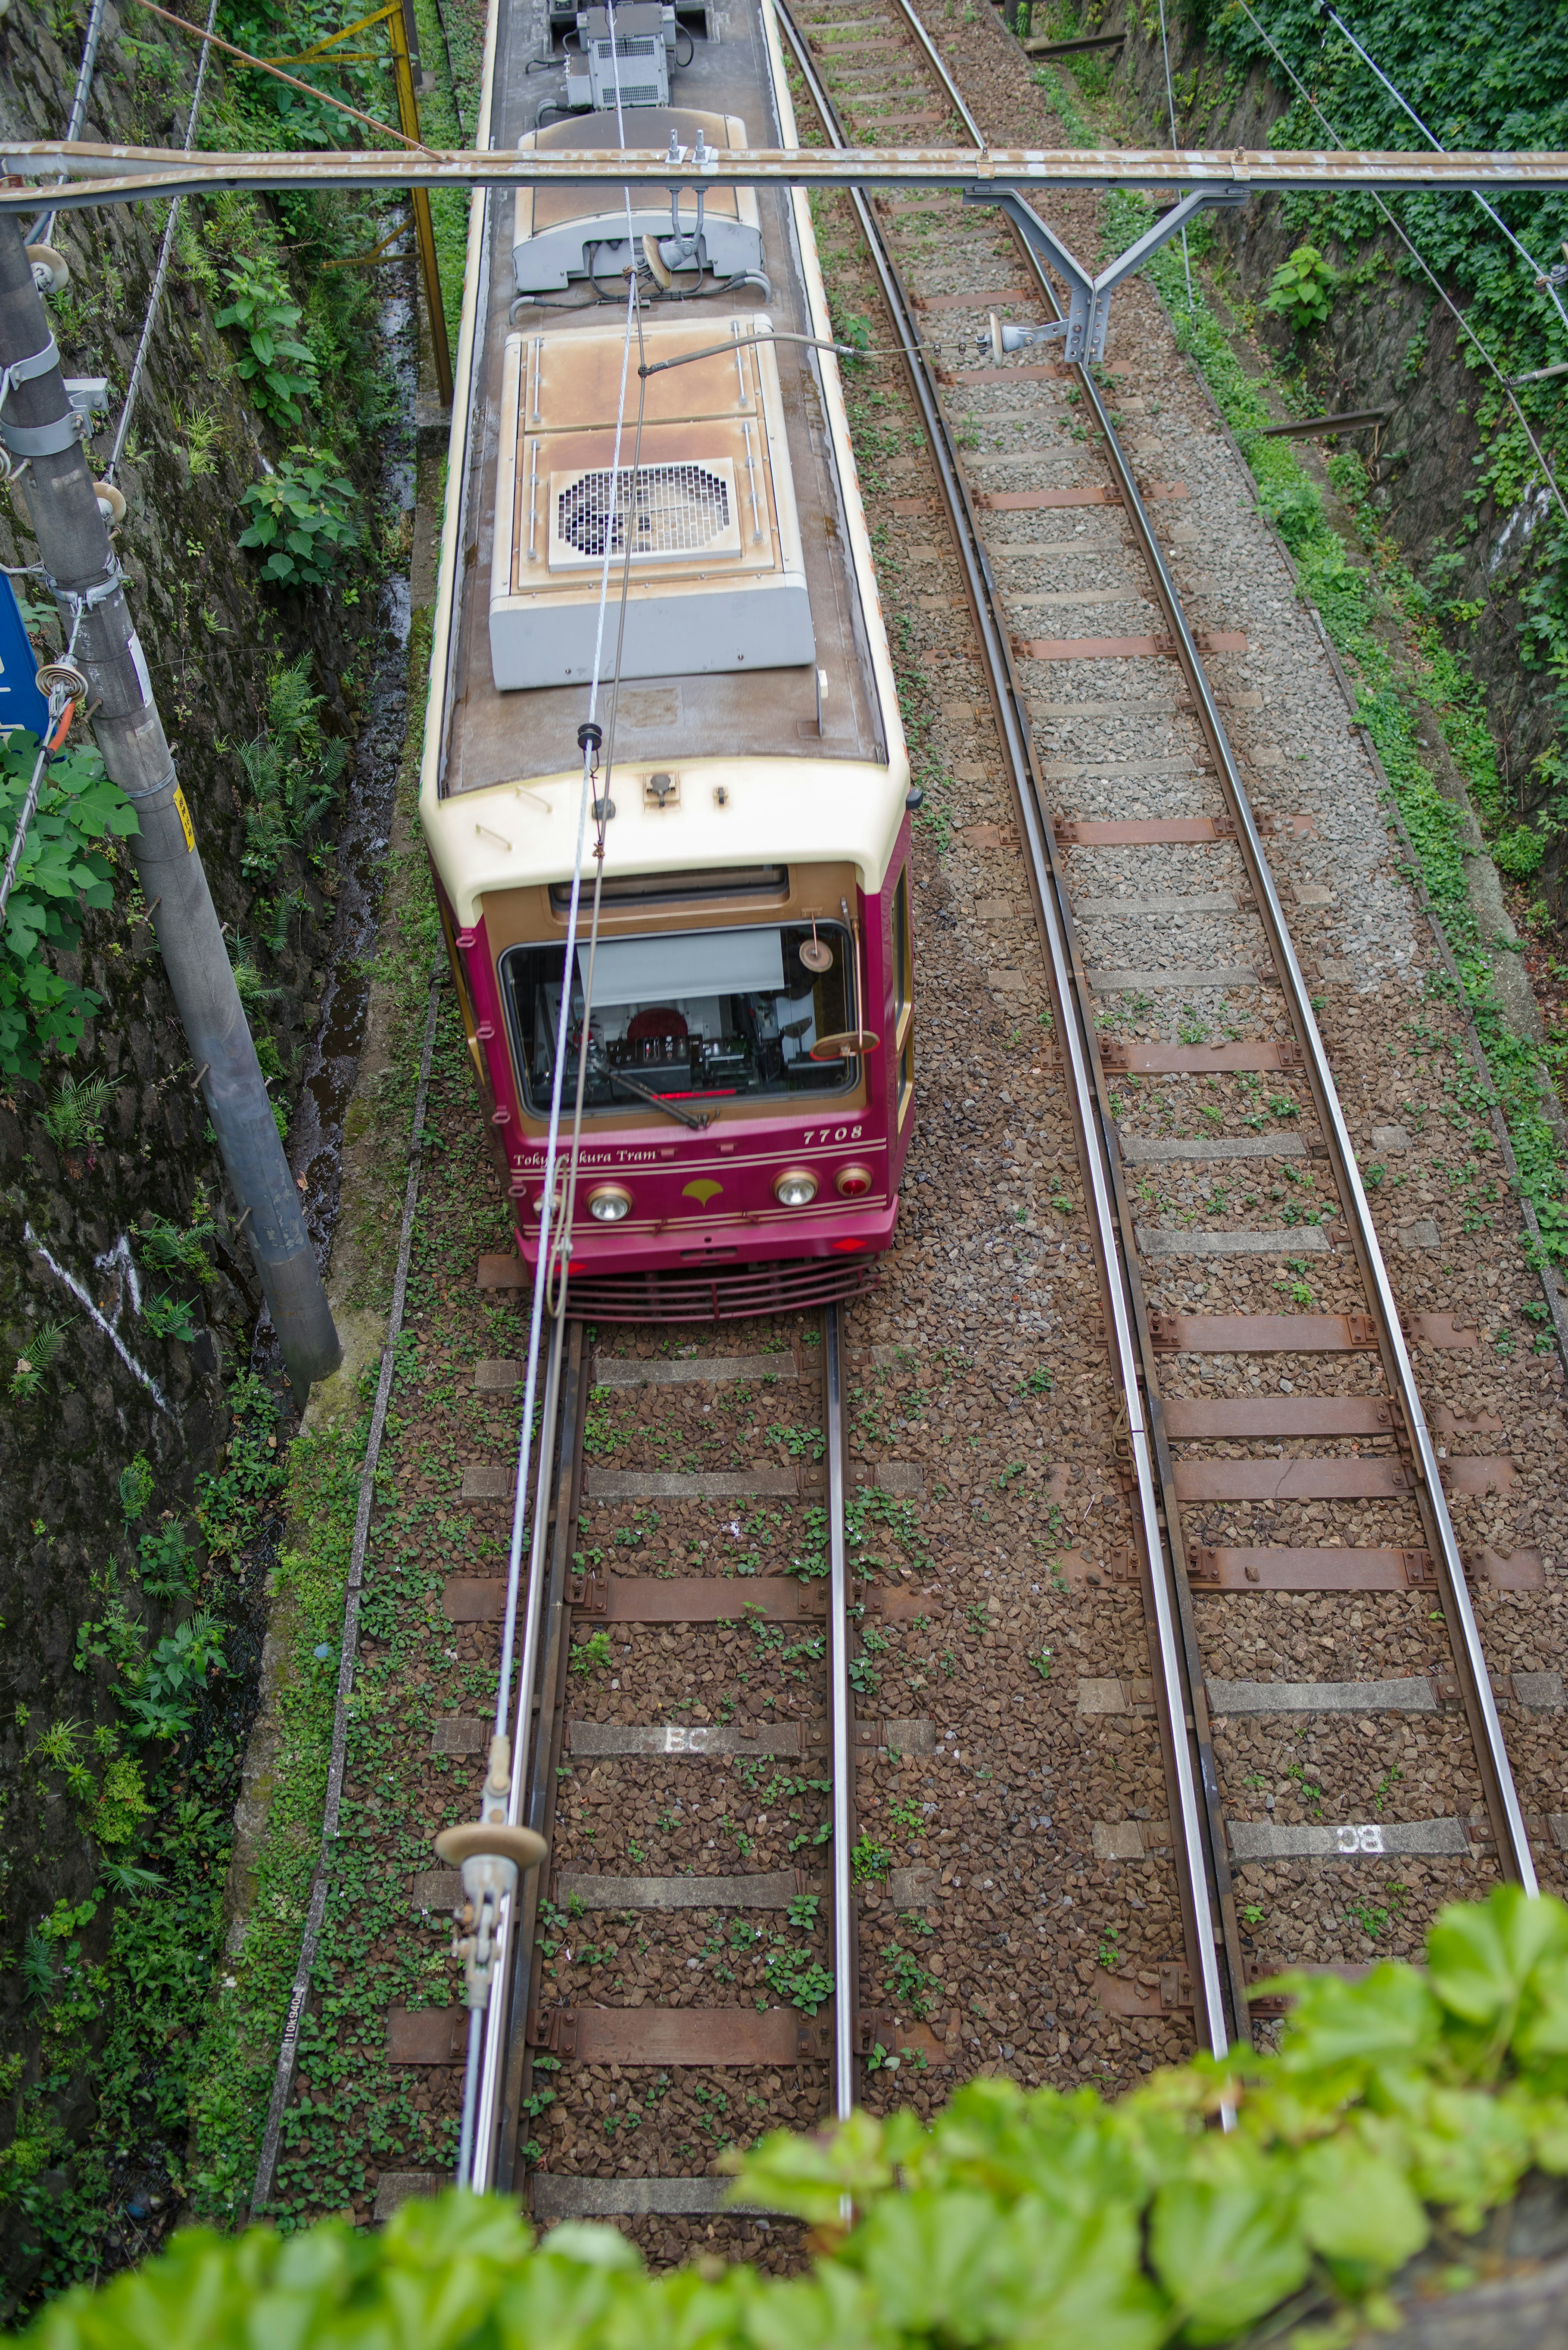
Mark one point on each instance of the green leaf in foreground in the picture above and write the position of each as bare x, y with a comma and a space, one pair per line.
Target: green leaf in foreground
1396, 2108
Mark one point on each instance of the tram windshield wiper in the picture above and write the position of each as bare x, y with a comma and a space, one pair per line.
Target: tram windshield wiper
696, 1119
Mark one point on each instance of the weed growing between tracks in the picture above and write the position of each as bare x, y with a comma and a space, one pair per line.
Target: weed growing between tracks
1352, 599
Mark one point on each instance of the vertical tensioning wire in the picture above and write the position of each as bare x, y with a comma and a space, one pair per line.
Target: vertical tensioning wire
487, 2025
39, 232
154, 299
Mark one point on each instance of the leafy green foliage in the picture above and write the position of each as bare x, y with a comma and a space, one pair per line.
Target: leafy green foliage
173, 1250
1303, 290
303, 518
136, 1484
168, 1317
122, 1802
1396, 2106
278, 368
34, 1362
1518, 852
160, 1698
292, 770
798, 1978
167, 1561
76, 1114
62, 869
228, 1499
1481, 82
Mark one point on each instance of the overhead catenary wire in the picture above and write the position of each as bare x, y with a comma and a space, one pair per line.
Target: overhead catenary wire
1420, 259
1403, 103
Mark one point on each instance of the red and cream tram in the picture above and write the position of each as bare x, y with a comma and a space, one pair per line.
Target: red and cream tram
750, 1051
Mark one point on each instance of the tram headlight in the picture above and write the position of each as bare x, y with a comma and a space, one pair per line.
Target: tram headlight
854, 1182
610, 1203
795, 1187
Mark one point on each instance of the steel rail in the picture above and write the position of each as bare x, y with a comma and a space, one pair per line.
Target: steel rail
845, 1958
1475, 1681
1195, 1869
98, 174
1181, 1697
543, 1785
497, 2017
1501, 1796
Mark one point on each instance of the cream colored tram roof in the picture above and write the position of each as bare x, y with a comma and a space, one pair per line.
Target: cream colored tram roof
791, 811
478, 739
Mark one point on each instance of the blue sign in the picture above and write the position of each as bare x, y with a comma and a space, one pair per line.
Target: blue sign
21, 703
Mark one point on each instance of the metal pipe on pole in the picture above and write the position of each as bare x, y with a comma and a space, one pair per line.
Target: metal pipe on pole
39, 424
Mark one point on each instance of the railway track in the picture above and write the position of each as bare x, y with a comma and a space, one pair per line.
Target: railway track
682, 1627
1343, 1432
707, 1710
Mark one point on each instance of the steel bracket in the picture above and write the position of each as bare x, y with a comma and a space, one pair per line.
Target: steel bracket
554, 2030
589, 1593
1089, 298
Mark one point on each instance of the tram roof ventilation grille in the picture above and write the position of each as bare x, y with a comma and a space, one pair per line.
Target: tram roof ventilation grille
669, 510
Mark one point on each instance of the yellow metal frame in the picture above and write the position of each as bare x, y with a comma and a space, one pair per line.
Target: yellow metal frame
391, 15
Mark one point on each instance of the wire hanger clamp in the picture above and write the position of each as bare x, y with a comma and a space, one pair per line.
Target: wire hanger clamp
492, 1853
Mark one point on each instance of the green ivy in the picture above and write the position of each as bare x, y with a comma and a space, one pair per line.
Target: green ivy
303, 519
1482, 80
1397, 2107
62, 869
279, 368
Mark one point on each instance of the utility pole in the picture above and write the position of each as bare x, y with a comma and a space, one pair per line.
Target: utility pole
39, 423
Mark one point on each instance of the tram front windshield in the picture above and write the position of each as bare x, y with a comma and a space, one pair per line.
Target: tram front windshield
688, 1016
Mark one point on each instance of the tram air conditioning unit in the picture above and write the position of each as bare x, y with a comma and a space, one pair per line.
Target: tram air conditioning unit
624, 54
717, 576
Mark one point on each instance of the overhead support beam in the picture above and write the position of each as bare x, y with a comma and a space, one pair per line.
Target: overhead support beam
1089, 298
113, 174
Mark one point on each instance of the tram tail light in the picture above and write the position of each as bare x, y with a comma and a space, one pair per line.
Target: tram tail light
854, 1182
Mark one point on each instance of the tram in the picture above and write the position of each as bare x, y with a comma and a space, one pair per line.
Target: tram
747, 1093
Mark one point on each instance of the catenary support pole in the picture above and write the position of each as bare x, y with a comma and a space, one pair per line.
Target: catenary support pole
37, 423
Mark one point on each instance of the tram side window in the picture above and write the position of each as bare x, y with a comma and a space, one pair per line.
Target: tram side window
693, 1015
904, 991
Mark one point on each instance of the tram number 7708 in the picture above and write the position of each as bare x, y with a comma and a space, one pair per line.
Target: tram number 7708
821, 1134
